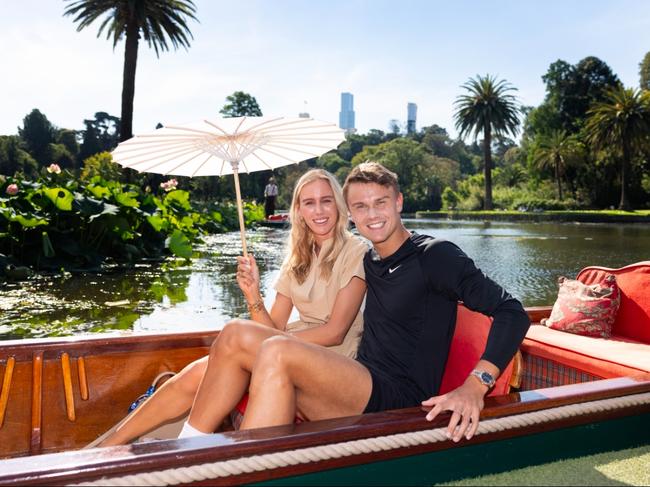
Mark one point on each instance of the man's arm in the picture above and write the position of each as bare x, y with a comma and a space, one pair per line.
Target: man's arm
455, 275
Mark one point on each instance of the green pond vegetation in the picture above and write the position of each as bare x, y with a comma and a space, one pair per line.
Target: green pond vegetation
59, 223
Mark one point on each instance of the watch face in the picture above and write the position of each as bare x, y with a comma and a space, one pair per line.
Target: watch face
487, 378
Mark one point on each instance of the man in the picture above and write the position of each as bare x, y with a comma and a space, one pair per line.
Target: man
270, 195
414, 284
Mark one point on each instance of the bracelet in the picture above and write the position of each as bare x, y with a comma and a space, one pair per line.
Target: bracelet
257, 306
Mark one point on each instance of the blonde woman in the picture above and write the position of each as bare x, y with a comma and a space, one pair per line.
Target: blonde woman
322, 277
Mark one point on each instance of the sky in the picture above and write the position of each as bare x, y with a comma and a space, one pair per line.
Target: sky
299, 55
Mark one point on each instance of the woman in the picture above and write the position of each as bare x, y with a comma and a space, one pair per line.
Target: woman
322, 276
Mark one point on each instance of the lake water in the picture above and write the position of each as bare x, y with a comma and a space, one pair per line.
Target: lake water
526, 258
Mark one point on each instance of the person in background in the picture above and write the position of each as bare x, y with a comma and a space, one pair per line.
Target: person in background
270, 196
322, 277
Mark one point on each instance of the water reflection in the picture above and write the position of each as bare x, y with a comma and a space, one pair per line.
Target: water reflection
526, 258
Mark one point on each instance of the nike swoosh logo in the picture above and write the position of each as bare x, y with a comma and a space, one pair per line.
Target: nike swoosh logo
390, 271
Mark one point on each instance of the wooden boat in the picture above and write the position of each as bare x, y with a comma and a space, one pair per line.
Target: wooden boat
280, 220
59, 394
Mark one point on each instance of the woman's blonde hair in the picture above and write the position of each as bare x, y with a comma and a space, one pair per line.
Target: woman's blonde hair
301, 240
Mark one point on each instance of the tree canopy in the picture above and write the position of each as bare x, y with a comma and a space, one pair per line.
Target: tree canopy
241, 104
489, 108
158, 22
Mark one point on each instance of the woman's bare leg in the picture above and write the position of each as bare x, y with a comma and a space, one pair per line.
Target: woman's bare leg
291, 375
228, 373
173, 399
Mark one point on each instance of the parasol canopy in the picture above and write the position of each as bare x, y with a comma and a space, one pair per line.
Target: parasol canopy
223, 146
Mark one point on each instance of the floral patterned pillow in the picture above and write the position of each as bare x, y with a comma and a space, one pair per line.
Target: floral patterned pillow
588, 310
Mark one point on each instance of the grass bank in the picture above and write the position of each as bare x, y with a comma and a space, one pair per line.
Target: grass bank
587, 216
623, 467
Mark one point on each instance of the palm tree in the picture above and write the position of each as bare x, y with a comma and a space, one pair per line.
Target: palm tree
622, 123
556, 151
488, 108
156, 21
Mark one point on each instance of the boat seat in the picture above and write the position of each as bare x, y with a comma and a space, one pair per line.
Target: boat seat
467, 347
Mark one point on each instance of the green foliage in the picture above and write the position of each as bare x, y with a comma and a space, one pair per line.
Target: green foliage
488, 108
101, 165
572, 89
644, 72
37, 133
100, 135
450, 199
155, 21
557, 151
14, 158
332, 162
420, 174
645, 183
621, 124
510, 175
59, 222
241, 104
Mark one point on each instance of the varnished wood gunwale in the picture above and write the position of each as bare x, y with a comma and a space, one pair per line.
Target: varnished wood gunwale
536, 313
22, 350
87, 465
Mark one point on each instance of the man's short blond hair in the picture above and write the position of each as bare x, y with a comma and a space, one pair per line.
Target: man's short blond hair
371, 172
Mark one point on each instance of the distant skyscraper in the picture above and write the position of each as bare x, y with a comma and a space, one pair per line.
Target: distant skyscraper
346, 115
412, 110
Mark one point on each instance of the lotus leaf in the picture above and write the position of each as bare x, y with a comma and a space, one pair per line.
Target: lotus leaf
127, 199
61, 197
179, 244
179, 198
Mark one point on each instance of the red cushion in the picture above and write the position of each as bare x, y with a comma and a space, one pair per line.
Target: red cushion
633, 318
238, 413
586, 309
466, 350
615, 357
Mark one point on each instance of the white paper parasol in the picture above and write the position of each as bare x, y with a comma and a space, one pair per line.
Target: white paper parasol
228, 146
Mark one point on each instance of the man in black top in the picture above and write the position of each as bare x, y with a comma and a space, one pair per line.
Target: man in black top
414, 284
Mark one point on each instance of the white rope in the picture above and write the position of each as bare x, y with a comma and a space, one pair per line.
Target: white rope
256, 463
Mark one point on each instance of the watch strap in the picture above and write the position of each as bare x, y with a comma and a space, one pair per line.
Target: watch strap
484, 377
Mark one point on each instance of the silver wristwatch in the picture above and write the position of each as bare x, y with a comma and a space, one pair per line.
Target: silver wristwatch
484, 377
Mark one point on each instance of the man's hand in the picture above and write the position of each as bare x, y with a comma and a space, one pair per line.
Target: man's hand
466, 404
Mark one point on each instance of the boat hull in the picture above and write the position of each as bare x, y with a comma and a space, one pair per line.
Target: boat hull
53, 409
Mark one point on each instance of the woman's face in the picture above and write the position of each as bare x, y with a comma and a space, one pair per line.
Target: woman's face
317, 206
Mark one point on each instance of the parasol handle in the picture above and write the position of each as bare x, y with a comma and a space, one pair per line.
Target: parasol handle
240, 210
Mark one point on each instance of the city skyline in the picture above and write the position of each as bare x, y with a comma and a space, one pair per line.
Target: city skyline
287, 53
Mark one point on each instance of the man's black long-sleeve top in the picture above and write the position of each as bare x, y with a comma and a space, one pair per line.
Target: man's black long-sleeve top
410, 312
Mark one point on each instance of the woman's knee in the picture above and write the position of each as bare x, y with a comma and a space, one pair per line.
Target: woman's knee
272, 366
276, 352
236, 336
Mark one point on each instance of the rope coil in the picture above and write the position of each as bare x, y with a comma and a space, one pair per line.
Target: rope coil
269, 461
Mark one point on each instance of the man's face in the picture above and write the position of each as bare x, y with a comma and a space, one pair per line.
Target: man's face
375, 210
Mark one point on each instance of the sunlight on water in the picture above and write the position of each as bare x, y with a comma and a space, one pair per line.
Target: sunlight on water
526, 259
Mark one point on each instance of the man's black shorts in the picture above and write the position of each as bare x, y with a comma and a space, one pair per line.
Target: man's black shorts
388, 393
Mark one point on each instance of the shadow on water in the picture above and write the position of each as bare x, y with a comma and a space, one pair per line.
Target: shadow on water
526, 258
